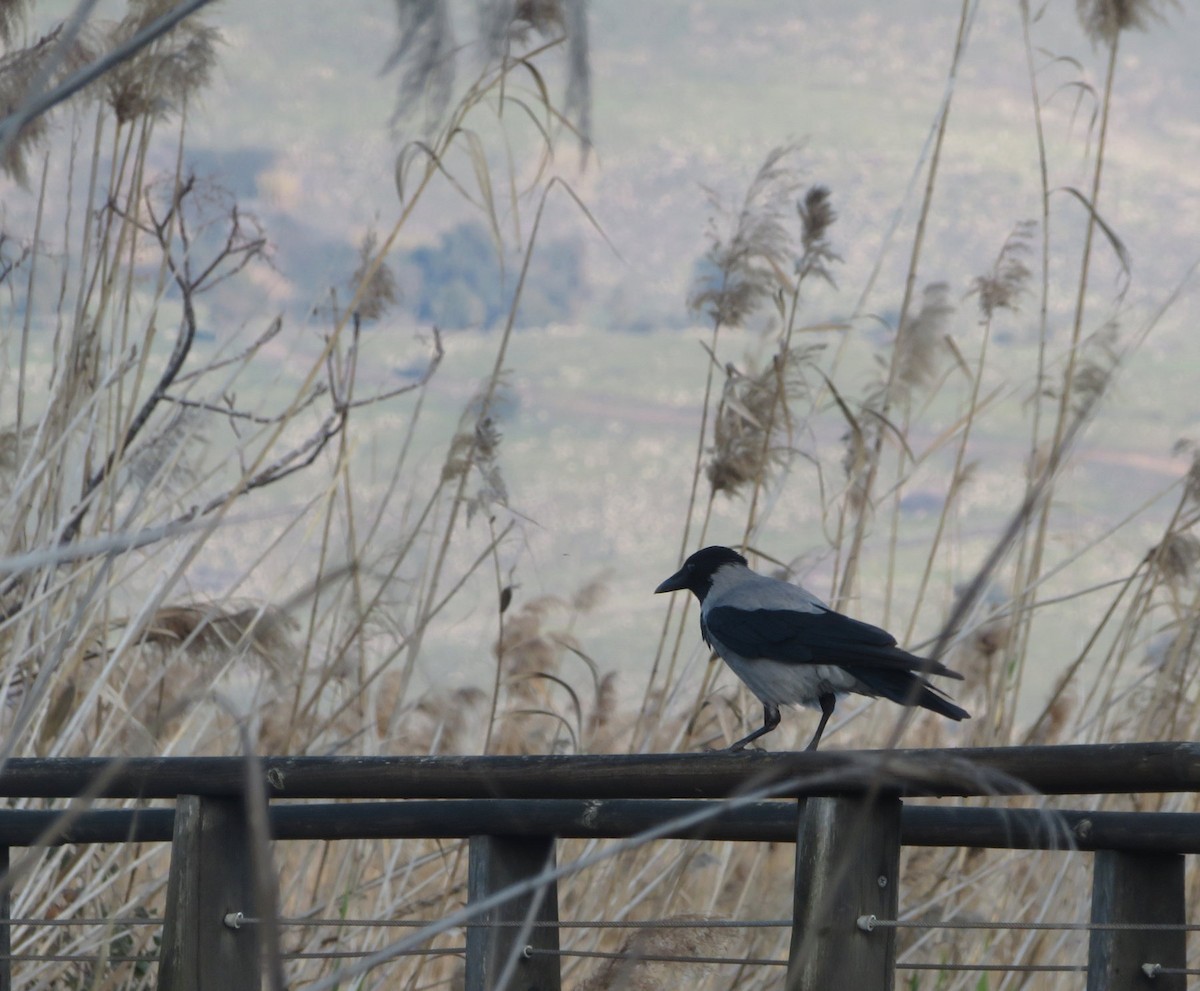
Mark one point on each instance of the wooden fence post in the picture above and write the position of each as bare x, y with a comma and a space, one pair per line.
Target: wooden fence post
5, 923
211, 877
495, 863
847, 869
1142, 888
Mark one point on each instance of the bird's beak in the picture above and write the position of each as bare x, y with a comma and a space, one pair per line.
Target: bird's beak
676, 583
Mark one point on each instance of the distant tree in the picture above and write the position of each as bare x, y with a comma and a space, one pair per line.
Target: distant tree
460, 282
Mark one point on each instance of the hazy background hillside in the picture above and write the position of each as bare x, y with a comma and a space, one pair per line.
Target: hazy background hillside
691, 95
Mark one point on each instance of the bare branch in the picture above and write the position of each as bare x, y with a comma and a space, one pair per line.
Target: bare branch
229, 410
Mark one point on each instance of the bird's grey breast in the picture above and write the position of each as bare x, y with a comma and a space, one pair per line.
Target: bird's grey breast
792, 684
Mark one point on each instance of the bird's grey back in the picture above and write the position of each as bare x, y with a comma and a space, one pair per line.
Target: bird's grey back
741, 588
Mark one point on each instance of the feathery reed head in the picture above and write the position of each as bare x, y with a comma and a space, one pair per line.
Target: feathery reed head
163, 76
746, 267
1095, 368
1173, 647
530, 644
265, 630
817, 216
507, 21
989, 633
13, 445
447, 720
477, 445
1052, 727
591, 595
504, 23
1175, 557
426, 50
1104, 20
857, 458
754, 407
1191, 479
380, 291
17, 70
1002, 287
428, 54
163, 456
921, 340
636, 974
12, 18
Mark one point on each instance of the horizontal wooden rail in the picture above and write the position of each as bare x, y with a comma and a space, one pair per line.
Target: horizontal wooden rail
1089, 769
772, 822
514, 809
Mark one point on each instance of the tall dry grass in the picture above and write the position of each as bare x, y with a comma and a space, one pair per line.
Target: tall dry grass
129, 454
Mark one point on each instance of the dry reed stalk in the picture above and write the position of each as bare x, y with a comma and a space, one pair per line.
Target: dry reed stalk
999, 290
847, 564
744, 268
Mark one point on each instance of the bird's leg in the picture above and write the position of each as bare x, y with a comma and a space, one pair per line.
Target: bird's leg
828, 701
770, 721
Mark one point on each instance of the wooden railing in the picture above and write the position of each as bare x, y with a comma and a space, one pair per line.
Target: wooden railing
846, 811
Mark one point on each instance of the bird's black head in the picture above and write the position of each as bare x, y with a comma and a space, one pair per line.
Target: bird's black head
697, 571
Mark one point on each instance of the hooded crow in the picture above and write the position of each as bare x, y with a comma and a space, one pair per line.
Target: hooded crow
790, 648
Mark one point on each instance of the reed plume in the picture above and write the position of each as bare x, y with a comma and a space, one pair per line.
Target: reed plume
12, 18
745, 267
921, 341
747, 429
202, 628
160, 79
817, 216
1104, 20
635, 974
376, 287
46, 60
476, 447
1002, 288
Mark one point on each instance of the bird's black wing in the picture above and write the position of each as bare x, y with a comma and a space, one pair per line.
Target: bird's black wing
818, 637
907, 689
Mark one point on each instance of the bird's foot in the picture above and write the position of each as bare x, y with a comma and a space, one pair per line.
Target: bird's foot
742, 748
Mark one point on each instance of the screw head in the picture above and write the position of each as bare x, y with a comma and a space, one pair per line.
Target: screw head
882, 881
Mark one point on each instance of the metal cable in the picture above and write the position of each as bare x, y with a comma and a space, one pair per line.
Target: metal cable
1029, 968
530, 951
153, 958
869, 922
1018, 968
865, 922
138, 921
78, 958
533, 951
659, 924
542, 924
354, 954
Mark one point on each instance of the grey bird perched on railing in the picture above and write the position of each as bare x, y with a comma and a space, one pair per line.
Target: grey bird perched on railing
791, 649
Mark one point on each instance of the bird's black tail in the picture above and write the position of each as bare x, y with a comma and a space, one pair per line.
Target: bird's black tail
908, 689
